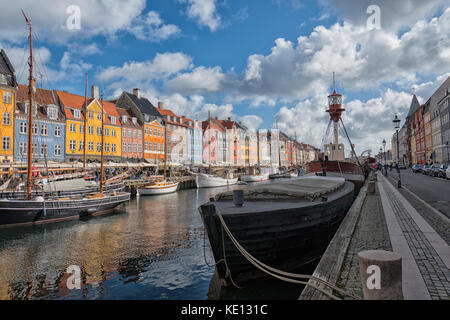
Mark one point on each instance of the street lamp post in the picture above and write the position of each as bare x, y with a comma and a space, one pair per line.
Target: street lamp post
383, 169
396, 123
385, 164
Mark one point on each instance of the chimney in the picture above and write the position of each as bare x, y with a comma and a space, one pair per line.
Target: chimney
229, 118
160, 104
137, 92
95, 92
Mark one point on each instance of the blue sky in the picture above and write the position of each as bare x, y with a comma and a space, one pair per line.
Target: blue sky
255, 61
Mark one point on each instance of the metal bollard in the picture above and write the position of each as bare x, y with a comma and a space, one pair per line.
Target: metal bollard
238, 198
381, 275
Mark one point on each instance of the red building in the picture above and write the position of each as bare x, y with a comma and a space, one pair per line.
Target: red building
419, 131
132, 137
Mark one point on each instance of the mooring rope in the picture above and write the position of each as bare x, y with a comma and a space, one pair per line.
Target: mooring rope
281, 275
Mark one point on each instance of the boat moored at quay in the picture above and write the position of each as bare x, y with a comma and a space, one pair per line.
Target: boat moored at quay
285, 225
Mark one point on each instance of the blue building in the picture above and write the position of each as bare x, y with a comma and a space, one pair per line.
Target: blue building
49, 127
194, 141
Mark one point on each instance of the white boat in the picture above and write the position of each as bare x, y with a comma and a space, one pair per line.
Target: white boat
160, 187
255, 178
290, 174
204, 180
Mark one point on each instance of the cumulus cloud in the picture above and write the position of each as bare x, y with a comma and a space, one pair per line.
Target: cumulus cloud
203, 12
201, 79
151, 27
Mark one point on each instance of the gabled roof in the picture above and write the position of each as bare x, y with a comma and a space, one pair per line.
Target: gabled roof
43, 98
123, 112
143, 104
415, 105
7, 69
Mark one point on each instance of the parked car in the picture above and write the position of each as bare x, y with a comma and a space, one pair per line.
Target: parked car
401, 166
425, 169
442, 170
416, 168
447, 172
434, 170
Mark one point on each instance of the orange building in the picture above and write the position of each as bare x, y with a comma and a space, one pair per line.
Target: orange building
154, 140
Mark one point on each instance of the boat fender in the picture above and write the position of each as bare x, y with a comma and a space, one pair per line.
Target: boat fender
39, 199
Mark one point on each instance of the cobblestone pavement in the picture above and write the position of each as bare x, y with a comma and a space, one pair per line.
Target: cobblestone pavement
435, 220
432, 268
370, 233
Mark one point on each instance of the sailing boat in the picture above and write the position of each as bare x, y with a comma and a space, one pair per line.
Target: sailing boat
160, 186
42, 209
208, 180
332, 162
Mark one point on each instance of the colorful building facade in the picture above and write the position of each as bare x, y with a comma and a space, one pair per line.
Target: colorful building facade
8, 89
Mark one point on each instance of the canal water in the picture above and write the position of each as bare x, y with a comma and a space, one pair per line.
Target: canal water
153, 248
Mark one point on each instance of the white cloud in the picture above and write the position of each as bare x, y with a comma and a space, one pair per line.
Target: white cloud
201, 79
162, 66
251, 121
152, 28
203, 12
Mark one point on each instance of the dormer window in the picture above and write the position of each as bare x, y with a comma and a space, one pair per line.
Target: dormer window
113, 120
124, 119
52, 113
3, 79
76, 113
134, 120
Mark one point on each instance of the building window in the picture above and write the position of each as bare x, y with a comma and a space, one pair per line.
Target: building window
113, 133
130, 133
134, 147
124, 132
23, 128
72, 145
76, 114
150, 131
52, 113
23, 148
43, 150
35, 128
81, 145
139, 147
81, 128
113, 148
106, 147
91, 146
107, 132
57, 150
6, 118
99, 131
145, 131
124, 147
91, 115
58, 131
99, 116
72, 127
139, 134
99, 146
150, 146
91, 130
130, 147
44, 130
7, 97
145, 145
134, 133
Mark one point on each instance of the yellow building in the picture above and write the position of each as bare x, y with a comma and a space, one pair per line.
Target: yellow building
8, 89
74, 106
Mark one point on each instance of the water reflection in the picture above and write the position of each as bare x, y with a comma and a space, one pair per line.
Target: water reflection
150, 249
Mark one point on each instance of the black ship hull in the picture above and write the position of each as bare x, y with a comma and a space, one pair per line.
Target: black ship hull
282, 235
8, 194
15, 213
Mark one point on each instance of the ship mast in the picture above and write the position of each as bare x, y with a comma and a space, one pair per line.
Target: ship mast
31, 89
165, 151
85, 126
101, 157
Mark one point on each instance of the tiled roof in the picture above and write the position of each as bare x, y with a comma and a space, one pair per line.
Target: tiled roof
129, 124
43, 98
144, 105
7, 69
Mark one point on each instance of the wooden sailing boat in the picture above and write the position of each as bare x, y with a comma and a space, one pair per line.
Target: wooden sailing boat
160, 186
42, 209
